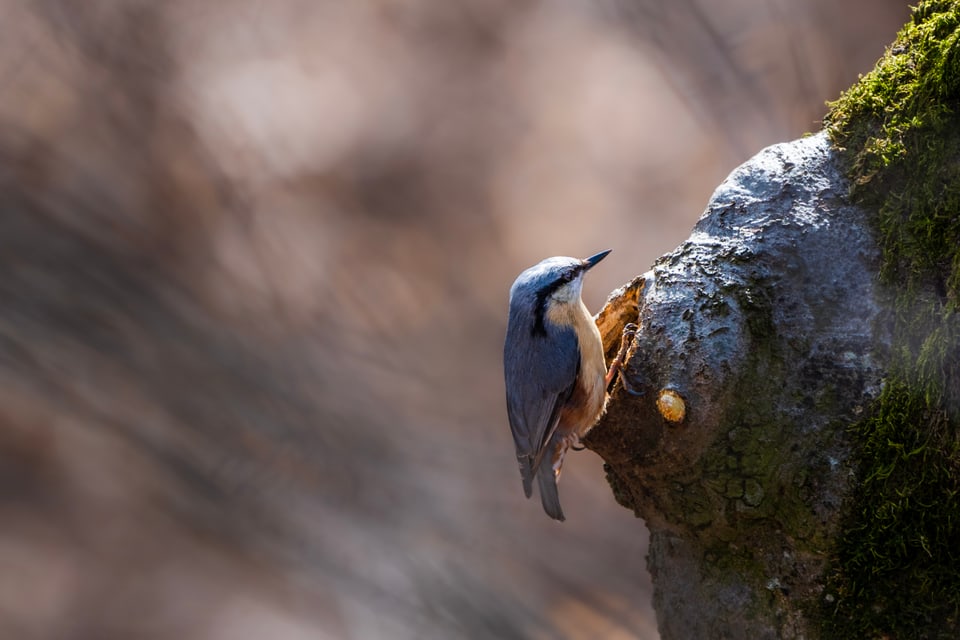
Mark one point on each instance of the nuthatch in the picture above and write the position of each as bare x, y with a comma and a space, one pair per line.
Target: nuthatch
555, 372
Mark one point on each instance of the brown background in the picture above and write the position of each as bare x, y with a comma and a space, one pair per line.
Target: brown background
255, 258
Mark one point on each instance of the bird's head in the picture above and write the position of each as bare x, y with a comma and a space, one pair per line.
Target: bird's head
557, 280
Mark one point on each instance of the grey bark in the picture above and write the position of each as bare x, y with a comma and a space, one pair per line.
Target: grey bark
766, 322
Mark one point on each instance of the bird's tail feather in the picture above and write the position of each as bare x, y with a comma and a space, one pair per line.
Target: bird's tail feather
526, 472
549, 495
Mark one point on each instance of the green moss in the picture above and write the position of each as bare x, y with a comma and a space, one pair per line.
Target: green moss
900, 132
901, 552
897, 568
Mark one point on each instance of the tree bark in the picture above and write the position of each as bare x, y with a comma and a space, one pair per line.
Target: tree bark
766, 324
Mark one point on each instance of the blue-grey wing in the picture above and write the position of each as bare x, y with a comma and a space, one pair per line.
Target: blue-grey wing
540, 369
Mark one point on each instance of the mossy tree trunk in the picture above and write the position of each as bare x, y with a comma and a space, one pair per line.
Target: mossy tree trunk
811, 486
764, 323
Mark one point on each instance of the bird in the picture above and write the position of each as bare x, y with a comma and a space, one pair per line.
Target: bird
554, 370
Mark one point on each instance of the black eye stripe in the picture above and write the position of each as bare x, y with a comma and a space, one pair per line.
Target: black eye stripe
541, 307
543, 294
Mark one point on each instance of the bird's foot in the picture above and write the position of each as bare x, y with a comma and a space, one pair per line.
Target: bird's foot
575, 443
629, 332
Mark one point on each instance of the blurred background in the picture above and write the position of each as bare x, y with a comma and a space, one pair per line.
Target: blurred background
254, 263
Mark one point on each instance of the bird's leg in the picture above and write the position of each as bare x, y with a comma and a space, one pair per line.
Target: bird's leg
629, 331
565, 443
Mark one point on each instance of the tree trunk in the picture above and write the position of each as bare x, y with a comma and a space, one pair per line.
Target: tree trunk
788, 424
764, 325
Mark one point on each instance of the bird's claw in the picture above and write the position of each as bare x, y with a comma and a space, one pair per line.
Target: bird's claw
629, 333
624, 381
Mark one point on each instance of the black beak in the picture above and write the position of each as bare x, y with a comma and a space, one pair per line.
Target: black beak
590, 262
